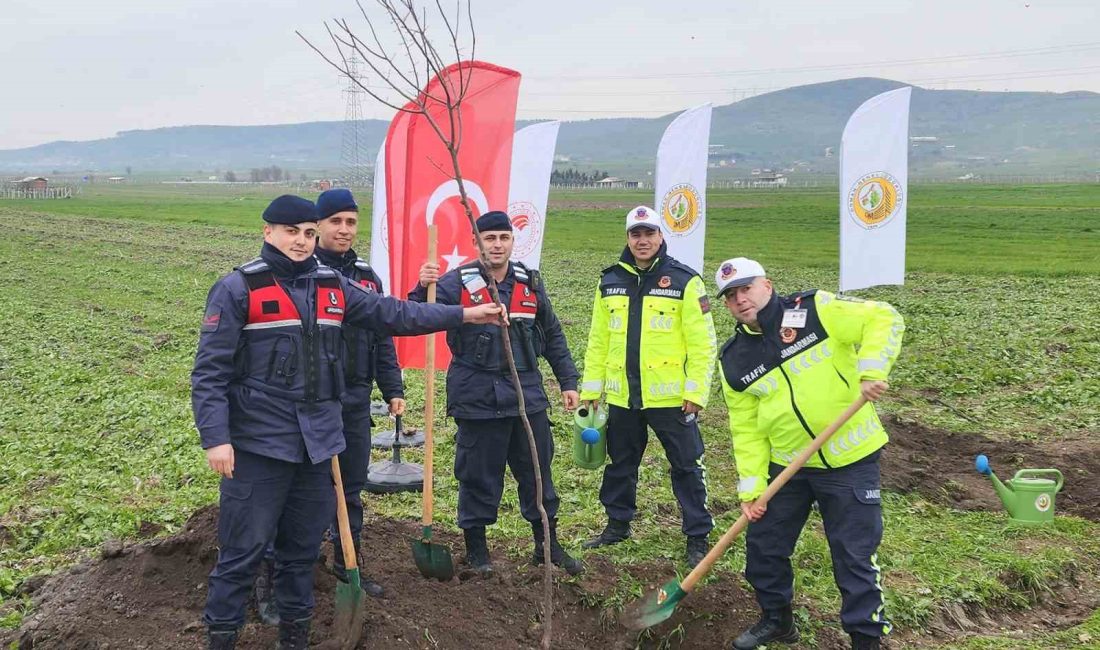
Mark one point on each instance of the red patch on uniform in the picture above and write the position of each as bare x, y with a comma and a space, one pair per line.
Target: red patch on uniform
704, 304
211, 321
664, 282
787, 334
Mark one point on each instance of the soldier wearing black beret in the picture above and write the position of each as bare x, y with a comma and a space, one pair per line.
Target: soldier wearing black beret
265, 392
481, 397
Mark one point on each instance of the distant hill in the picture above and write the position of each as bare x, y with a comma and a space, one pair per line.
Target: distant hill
1021, 132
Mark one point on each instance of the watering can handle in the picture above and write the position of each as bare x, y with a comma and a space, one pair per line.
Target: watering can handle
1036, 473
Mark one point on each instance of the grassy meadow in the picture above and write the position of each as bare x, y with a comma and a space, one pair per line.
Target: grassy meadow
103, 295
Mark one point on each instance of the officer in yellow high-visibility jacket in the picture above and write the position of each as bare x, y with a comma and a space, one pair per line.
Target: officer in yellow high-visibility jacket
793, 365
651, 351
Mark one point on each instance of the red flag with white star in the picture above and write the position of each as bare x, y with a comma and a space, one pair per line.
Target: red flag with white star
420, 185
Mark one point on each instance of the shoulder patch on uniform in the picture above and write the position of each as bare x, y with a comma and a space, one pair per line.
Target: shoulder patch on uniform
325, 271
251, 267
210, 321
362, 264
704, 304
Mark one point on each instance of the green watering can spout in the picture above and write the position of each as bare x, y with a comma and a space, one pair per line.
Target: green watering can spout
1006, 494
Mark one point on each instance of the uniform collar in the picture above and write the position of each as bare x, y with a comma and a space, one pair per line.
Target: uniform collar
770, 316
284, 267
339, 261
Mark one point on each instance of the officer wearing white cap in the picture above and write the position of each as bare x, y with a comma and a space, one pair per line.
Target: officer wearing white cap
651, 351
792, 365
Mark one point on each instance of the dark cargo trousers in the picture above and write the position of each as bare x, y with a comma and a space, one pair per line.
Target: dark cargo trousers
483, 448
267, 499
851, 509
627, 437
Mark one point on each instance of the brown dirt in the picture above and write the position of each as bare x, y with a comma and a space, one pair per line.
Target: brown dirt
940, 465
150, 595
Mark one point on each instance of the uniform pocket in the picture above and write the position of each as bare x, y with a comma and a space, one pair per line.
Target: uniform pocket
235, 525
868, 495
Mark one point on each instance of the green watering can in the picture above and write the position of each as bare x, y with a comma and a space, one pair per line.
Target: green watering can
590, 437
1028, 496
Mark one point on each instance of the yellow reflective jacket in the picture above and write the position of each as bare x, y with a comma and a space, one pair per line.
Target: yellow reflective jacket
652, 340
784, 385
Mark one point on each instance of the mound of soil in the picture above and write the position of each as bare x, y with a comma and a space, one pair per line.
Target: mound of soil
940, 465
151, 594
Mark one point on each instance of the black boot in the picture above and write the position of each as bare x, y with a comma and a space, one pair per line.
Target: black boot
865, 642
558, 555
294, 635
370, 587
477, 551
615, 532
697, 548
264, 592
221, 639
774, 625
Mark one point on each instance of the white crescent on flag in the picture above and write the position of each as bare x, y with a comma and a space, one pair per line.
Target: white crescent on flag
449, 190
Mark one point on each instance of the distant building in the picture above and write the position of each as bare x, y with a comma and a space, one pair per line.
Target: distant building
612, 182
32, 183
769, 179
116, 179
923, 138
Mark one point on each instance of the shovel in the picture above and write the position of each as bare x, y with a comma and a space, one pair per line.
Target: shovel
659, 605
351, 611
433, 560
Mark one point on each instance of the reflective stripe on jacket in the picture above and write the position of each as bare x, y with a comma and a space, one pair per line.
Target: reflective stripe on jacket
652, 341
784, 385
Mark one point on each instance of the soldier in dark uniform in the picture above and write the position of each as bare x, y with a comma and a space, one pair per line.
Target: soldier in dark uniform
483, 401
370, 356
265, 392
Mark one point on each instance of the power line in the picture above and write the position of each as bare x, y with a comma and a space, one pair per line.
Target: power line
980, 56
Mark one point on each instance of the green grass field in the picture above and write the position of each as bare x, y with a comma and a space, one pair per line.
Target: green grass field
103, 294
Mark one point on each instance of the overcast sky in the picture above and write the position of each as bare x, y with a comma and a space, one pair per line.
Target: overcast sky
77, 70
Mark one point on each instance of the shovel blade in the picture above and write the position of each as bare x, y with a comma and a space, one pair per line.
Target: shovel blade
656, 607
432, 560
351, 611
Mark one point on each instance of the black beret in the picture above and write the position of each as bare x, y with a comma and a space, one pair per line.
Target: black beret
332, 201
495, 220
290, 210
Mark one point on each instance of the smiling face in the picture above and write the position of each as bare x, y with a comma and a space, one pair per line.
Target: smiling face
338, 232
498, 246
296, 242
644, 243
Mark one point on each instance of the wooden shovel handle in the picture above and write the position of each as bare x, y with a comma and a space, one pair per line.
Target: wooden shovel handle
429, 395
703, 568
346, 542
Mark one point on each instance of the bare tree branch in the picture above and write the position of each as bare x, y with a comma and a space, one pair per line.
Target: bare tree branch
440, 106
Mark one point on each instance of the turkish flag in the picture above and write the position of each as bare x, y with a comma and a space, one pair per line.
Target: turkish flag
420, 179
